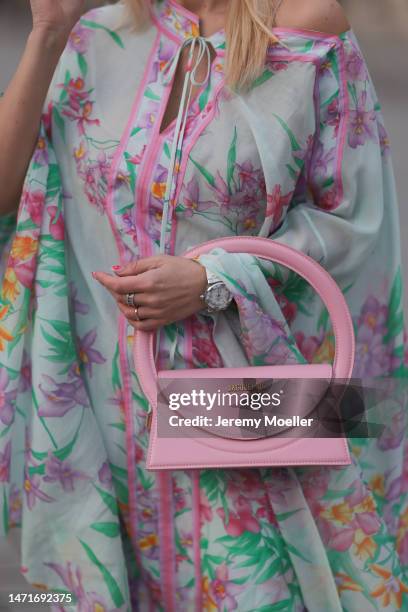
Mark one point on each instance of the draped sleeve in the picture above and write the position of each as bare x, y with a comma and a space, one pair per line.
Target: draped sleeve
343, 214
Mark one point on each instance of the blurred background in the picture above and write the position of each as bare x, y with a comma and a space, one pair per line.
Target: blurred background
381, 27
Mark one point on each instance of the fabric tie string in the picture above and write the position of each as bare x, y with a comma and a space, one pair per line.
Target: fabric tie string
190, 80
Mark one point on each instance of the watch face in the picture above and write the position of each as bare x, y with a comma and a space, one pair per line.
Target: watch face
218, 297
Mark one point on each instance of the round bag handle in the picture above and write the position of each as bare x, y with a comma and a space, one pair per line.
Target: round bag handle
266, 248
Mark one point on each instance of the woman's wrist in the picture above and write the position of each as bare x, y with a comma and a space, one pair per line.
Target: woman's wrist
49, 39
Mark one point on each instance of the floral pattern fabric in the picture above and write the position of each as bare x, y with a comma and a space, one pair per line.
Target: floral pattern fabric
302, 158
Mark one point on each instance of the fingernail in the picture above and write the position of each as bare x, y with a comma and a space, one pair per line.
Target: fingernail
116, 268
94, 274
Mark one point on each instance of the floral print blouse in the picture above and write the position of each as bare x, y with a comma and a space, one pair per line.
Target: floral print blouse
302, 158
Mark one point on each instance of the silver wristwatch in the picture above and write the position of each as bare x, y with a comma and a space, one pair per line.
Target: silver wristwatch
217, 296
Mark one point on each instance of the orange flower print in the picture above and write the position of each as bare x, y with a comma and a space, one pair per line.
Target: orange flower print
345, 583
339, 512
364, 545
23, 248
325, 353
5, 336
10, 289
377, 484
209, 604
390, 589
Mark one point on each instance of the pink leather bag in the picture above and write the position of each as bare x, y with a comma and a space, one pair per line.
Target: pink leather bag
195, 451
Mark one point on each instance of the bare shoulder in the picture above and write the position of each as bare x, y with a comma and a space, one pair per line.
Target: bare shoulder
320, 15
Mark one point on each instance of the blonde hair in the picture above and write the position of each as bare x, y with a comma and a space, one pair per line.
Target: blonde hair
248, 35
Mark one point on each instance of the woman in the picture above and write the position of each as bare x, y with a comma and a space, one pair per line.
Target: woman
282, 137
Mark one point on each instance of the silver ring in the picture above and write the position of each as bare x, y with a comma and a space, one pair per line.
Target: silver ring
130, 299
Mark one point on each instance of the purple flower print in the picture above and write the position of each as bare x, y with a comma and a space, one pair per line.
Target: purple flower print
5, 458
393, 434
87, 601
149, 116
166, 53
60, 398
373, 357
41, 153
191, 199
226, 201
105, 475
362, 123
223, 591
24, 383
323, 159
7, 399
79, 307
33, 492
250, 179
62, 472
15, 506
79, 39
355, 67
87, 354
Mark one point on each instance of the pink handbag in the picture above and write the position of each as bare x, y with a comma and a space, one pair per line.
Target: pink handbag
214, 451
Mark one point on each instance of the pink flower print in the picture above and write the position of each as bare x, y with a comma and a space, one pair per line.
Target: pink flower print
355, 67
56, 227
179, 498
33, 492
276, 204
223, 591
308, 345
191, 200
75, 92
34, 201
24, 383
206, 513
384, 139
78, 40
82, 116
250, 179
137, 159
5, 458
105, 475
241, 520
226, 201
7, 399
60, 398
362, 123
62, 472
166, 53
328, 200
333, 115
87, 354
87, 601
206, 352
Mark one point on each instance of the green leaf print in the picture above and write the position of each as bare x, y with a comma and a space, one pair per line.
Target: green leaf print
294, 143
59, 122
284, 604
152, 96
111, 530
116, 384
203, 99
109, 580
63, 348
108, 499
5, 513
232, 158
82, 63
265, 76
98, 26
395, 320
206, 174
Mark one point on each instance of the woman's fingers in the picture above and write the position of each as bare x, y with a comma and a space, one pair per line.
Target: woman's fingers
138, 312
143, 283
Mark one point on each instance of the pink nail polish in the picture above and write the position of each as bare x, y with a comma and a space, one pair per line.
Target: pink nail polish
94, 274
116, 268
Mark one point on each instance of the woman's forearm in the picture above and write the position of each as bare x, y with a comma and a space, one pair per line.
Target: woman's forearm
20, 112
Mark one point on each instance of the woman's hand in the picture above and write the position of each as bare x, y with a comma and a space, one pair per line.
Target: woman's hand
56, 16
167, 289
